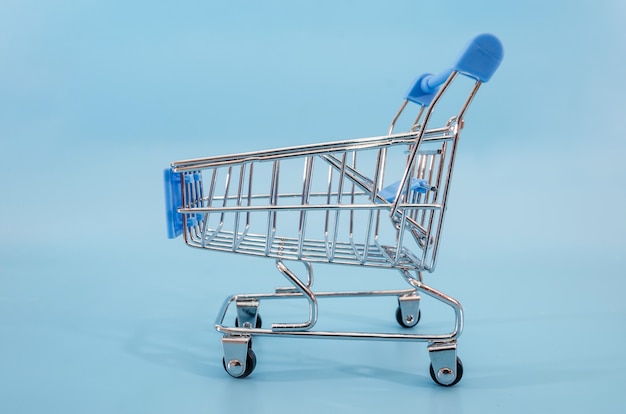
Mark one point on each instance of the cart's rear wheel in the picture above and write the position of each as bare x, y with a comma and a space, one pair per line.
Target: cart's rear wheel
407, 323
250, 365
459, 374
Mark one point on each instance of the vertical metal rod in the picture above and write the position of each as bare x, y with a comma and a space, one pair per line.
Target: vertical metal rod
355, 248
379, 179
188, 202
418, 172
395, 118
468, 102
352, 197
430, 195
205, 221
342, 174
196, 190
226, 191
200, 201
440, 170
250, 175
327, 215
199, 191
184, 204
379, 172
368, 230
190, 189
400, 238
240, 187
306, 190
271, 215
417, 119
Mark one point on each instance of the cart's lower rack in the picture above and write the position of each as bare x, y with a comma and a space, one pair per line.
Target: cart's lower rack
239, 359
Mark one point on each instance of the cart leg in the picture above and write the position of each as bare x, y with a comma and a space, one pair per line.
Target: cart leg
248, 313
239, 359
445, 367
305, 290
408, 313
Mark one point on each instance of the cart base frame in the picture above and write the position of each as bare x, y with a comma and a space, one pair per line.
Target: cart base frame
239, 358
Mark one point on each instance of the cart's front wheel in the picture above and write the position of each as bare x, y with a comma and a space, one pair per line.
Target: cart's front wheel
250, 365
447, 371
410, 320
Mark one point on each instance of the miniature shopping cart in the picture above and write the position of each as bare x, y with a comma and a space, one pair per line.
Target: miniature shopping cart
372, 202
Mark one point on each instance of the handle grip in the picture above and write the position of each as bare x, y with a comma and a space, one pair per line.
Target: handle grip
479, 60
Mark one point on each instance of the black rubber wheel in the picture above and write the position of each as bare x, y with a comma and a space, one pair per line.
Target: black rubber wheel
403, 323
258, 324
250, 365
459, 374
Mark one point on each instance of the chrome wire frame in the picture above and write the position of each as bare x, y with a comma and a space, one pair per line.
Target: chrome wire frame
347, 191
355, 224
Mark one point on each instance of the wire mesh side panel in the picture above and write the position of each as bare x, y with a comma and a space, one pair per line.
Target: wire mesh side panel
319, 208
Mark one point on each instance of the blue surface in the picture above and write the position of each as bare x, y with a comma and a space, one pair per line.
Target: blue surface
100, 313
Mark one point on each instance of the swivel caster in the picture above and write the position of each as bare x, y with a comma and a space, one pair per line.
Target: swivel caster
236, 369
447, 372
239, 359
446, 368
408, 312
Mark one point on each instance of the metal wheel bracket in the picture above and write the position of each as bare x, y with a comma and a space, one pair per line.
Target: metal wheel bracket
409, 308
235, 354
247, 311
443, 360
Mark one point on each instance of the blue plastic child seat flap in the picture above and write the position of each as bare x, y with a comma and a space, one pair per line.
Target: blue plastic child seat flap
389, 192
173, 201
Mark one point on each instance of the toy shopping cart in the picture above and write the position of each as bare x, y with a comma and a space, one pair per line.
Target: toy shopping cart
375, 202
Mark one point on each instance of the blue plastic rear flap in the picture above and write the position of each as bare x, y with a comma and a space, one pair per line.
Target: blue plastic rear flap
389, 192
173, 201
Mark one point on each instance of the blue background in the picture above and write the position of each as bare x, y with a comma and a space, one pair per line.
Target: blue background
100, 313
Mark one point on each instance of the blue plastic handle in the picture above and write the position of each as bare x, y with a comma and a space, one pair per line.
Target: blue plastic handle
481, 57
479, 60
173, 200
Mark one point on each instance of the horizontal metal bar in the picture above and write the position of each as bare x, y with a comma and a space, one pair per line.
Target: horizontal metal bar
340, 294
293, 195
389, 336
312, 149
322, 207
